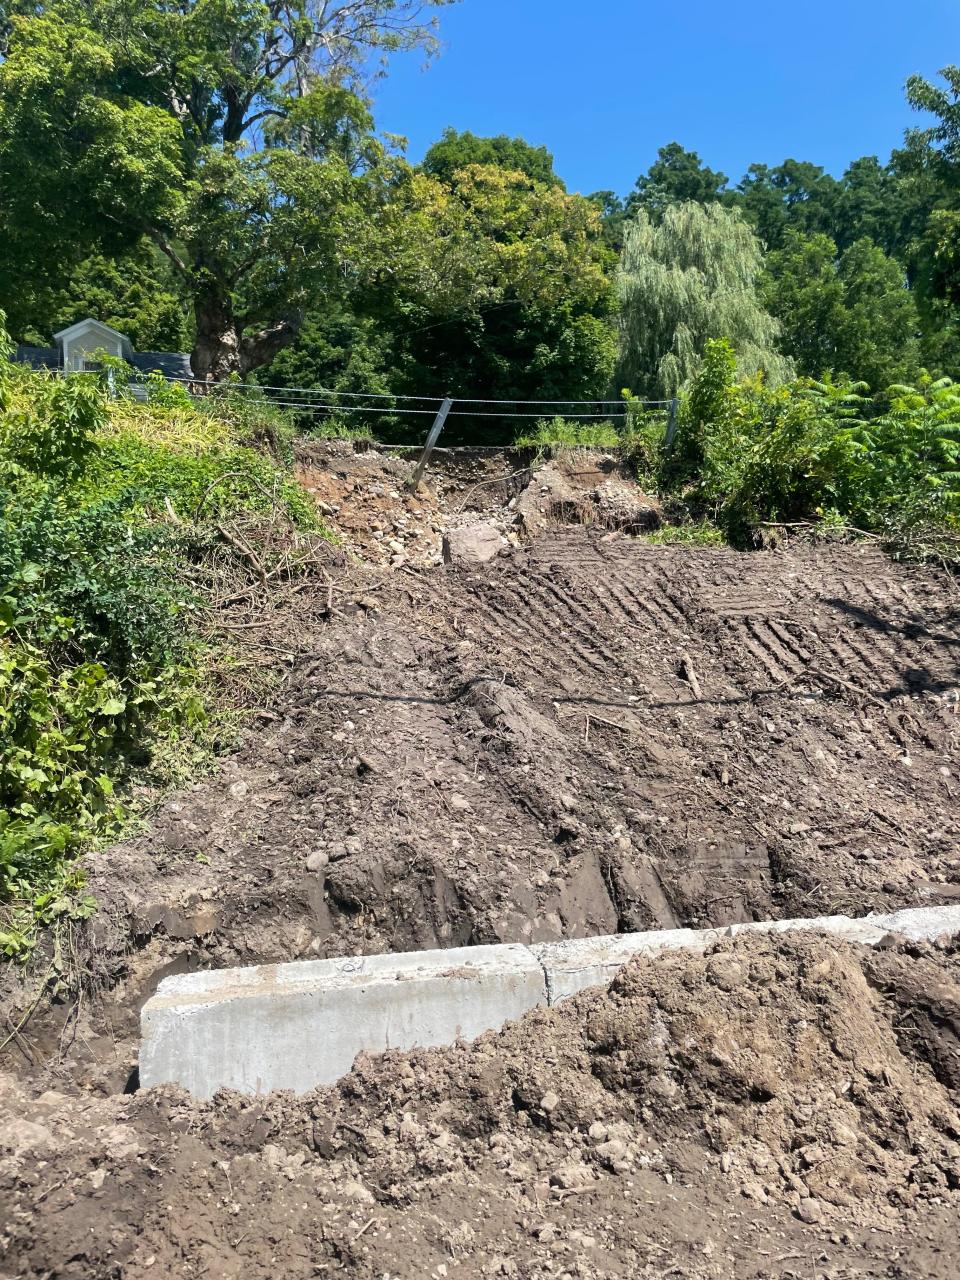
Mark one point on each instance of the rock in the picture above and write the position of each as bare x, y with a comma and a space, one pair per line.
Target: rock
459, 803
572, 1176
21, 1136
357, 1191
318, 861
809, 1211
549, 1102
238, 789
473, 544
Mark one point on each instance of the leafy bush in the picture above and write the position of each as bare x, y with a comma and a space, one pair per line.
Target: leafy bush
805, 450
102, 503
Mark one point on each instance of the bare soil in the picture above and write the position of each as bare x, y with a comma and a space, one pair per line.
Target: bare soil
586, 735
782, 1107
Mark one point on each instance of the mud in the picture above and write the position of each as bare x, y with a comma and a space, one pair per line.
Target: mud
587, 734
758, 1112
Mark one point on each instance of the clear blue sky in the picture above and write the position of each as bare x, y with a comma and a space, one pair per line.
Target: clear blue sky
604, 84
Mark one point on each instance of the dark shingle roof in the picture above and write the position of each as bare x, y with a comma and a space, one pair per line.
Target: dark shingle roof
172, 364
37, 357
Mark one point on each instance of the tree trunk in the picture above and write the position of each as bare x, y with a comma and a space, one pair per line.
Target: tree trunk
216, 351
220, 348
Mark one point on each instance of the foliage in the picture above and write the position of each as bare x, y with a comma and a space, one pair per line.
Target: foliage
677, 176
102, 506
136, 292
227, 134
498, 286
691, 278
569, 433
455, 151
811, 450
848, 314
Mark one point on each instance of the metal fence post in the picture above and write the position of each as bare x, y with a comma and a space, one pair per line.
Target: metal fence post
428, 448
672, 417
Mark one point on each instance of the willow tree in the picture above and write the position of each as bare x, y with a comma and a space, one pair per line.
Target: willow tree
690, 278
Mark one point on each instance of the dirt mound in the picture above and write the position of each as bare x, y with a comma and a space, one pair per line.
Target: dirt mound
759, 1111
585, 736
363, 496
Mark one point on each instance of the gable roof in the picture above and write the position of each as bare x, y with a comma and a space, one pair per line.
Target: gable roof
96, 327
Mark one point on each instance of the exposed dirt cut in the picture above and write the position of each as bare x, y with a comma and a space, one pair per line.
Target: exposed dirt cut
762, 1111
587, 734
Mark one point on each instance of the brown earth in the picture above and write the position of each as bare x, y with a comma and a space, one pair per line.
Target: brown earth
587, 734
782, 1107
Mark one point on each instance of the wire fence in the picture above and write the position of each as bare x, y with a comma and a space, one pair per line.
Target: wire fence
391, 417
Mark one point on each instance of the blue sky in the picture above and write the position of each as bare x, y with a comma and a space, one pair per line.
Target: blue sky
603, 85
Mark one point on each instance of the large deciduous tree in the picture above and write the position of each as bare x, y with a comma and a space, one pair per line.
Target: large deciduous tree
688, 279
844, 313
229, 134
454, 151
490, 285
675, 177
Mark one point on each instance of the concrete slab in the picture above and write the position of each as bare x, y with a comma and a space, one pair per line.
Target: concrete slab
579, 963
296, 1026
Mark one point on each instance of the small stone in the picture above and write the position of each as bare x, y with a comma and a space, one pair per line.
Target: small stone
357, 1191
568, 802
459, 803
238, 789
613, 1151
547, 1234
318, 861
809, 1210
549, 1102
598, 1131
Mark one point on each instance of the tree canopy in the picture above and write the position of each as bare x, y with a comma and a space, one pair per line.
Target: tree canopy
229, 135
689, 279
456, 151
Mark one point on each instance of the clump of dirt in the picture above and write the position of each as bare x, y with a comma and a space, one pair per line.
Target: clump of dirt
758, 1111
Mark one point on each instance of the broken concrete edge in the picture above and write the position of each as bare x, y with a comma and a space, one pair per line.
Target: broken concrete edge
301, 1025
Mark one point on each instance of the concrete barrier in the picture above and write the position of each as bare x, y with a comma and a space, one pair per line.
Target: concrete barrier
296, 1026
578, 963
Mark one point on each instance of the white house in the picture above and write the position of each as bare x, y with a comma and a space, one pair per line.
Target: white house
77, 345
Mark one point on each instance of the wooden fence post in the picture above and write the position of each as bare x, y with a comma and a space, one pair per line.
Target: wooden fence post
428, 448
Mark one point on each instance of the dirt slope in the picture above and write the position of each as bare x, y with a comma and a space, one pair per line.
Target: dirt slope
585, 734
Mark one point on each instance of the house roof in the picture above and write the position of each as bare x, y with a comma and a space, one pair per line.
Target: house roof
96, 327
37, 357
172, 364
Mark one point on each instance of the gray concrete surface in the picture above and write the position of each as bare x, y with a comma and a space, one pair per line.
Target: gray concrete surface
296, 1026
578, 963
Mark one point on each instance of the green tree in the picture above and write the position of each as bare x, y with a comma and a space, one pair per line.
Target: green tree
691, 278
136, 292
227, 134
795, 194
848, 313
493, 285
458, 150
676, 176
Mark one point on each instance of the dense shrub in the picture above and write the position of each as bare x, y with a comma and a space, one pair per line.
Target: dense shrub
103, 504
749, 453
